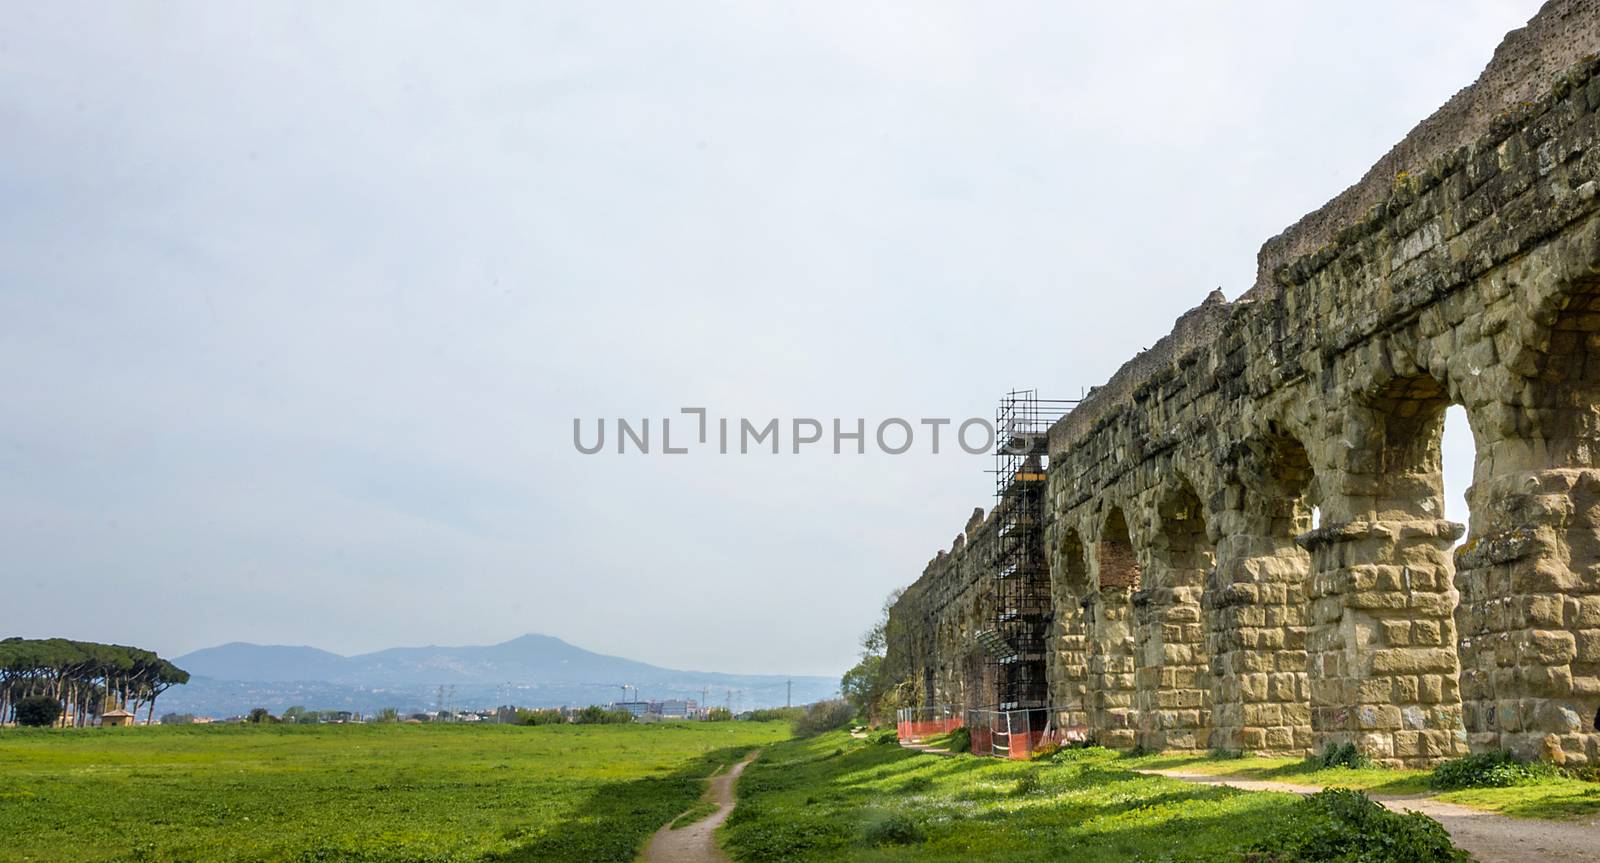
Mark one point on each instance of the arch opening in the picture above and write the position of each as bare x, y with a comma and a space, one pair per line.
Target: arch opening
1173, 674
1118, 563
1255, 602
1067, 660
1565, 408
1542, 443
1116, 576
1458, 458
1383, 632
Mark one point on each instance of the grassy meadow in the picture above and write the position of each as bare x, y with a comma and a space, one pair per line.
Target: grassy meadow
1549, 797
297, 793
448, 793
834, 798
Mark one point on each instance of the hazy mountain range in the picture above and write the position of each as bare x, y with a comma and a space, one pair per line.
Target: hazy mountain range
531, 671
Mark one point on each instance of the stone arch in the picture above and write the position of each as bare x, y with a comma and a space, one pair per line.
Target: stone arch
1256, 597
1173, 676
1181, 534
1382, 666
1069, 569
1067, 659
1280, 483
1529, 574
1116, 561
1541, 405
1115, 575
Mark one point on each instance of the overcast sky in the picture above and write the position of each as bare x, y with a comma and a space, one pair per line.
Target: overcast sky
297, 305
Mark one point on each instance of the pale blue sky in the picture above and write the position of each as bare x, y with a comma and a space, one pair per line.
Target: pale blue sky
297, 302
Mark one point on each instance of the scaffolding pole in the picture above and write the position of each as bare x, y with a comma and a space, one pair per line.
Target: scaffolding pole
1021, 591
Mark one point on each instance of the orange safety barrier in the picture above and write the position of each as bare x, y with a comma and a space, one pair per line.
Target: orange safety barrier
916, 723
1013, 734
1017, 734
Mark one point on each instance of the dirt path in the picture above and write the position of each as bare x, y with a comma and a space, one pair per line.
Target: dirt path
1491, 838
697, 843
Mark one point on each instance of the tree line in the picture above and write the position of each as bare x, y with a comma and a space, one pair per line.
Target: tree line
83, 678
872, 687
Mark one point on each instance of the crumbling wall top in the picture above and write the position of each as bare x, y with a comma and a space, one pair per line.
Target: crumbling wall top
1195, 329
1563, 33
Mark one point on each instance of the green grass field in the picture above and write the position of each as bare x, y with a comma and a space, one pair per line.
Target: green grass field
303, 794
355, 792
832, 798
1554, 797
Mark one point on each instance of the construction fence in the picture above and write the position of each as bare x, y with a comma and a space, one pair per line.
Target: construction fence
1014, 734
915, 724
1017, 734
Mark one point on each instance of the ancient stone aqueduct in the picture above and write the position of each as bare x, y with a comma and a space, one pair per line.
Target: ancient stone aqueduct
1193, 604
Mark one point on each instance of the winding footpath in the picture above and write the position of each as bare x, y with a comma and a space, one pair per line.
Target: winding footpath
697, 843
1489, 836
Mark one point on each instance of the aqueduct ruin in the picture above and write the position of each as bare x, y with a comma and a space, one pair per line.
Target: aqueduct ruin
1193, 602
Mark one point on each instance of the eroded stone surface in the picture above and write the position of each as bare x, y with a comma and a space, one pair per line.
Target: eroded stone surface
1195, 603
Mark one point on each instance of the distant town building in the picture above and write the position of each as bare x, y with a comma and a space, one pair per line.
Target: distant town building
115, 718
677, 708
651, 711
637, 709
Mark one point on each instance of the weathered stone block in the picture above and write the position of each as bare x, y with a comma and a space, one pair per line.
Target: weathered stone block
1544, 610
1413, 660
1587, 646
1549, 647
1397, 633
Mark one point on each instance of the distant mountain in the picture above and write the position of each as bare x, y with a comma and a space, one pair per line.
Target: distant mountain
241, 661
529, 658
531, 671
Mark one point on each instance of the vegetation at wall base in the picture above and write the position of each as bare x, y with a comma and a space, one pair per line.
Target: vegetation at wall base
1551, 793
396, 793
1342, 755
833, 798
1339, 825
1497, 769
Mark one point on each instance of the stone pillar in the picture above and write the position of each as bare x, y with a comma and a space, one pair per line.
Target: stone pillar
1256, 607
1111, 669
1382, 660
1529, 573
1529, 617
1071, 627
1173, 676
1116, 576
1067, 664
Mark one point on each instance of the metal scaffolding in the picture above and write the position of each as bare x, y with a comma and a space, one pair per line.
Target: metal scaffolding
1021, 567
